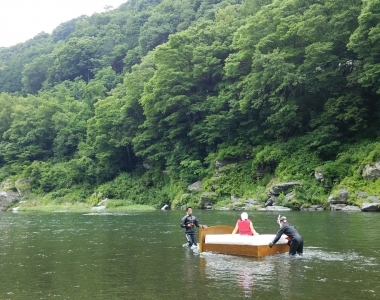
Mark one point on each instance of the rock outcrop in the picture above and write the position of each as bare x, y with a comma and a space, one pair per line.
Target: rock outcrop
277, 189
340, 198
372, 172
208, 200
7, 199
195, 187
370, 206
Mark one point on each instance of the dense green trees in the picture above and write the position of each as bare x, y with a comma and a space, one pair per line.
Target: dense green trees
177, 85
15, 58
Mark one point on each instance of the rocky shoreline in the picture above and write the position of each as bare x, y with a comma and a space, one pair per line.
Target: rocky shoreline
12, 193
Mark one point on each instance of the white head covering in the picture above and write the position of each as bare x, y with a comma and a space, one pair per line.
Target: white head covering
244, 216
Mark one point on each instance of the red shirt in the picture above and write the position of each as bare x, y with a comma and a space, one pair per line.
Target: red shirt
244, 227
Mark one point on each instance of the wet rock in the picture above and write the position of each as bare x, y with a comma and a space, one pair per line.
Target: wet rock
370, 206
352, 208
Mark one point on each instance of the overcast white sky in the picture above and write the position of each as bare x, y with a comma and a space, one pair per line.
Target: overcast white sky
21, 20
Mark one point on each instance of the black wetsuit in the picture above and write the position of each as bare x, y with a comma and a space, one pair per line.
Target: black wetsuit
190, 231
296, 244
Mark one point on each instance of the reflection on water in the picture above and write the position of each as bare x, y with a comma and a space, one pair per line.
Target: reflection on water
290, 275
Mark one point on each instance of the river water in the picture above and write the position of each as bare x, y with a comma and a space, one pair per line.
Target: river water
140, 256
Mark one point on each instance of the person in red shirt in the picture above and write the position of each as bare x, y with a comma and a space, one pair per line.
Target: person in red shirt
245, 226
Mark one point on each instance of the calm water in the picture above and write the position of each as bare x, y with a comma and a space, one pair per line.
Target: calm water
140, 256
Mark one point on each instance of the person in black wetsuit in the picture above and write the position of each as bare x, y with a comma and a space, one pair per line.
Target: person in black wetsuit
296, 242
188, 222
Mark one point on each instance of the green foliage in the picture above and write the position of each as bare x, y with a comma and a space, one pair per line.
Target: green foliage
191, 170
168, 17
30, 134
334, 172
182, 200
63, 30
34, 73
233, 179
112, 204
134, 207
138, 189
15, 58
274, 88
311, 193
365, 42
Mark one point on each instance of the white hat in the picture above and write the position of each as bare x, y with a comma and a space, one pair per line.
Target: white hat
244, 216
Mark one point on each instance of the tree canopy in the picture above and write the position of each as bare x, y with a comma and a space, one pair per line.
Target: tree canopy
180, 84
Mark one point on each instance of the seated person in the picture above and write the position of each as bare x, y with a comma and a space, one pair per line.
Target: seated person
245, 226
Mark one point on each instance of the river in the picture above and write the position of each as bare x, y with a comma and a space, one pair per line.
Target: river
140, 256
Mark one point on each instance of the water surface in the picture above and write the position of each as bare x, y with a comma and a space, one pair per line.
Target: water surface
140, 256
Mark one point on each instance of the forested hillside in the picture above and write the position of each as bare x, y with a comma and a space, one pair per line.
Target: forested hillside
136, 103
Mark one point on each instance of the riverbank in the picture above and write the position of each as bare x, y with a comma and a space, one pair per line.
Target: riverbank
78, 207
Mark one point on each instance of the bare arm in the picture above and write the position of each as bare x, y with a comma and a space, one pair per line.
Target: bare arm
235, 229
253, 229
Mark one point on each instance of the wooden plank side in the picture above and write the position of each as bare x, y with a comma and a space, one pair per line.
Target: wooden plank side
232, 249
276, 249
246, 250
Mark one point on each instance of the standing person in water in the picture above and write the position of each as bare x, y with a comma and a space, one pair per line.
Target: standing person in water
188, 222
245, 226
296, 242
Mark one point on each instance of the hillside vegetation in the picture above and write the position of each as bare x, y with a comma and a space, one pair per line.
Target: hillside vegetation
136, 103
